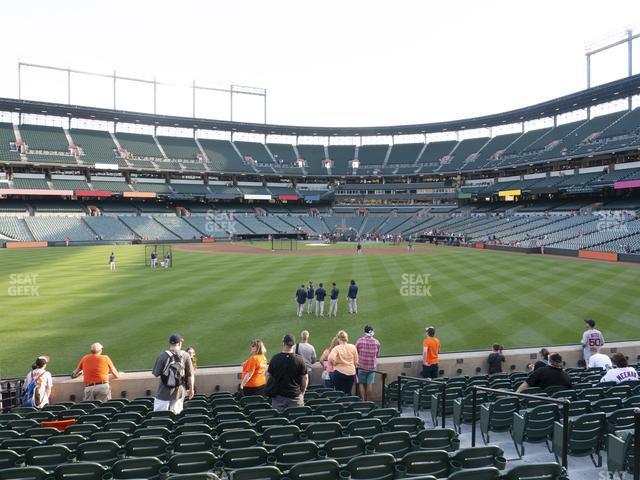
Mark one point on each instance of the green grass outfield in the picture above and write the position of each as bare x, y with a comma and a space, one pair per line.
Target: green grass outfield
219, 302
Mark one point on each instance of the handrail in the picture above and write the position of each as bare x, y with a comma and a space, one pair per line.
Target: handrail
424, 380
636, 445
384, 383
10, 393
565, 414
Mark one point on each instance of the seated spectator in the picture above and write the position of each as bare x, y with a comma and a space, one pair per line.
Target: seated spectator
496, 359
549, 376
621, 371
598, 360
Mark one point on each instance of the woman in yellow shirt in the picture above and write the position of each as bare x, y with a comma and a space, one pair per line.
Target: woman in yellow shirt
344, 358
254, 370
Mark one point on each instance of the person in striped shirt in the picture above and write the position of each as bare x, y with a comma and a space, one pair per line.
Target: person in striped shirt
368, 350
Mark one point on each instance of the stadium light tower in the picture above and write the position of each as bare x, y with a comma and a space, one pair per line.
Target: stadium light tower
232, 90
606, 43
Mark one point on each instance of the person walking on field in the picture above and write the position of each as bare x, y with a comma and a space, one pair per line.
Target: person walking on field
310, 296
112, 262
301, 299
321, 293
95, 368
333, 300
351, 297
175, 370
430, 352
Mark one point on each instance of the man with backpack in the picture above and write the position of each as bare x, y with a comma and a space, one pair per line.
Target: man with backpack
175, 369
38, 384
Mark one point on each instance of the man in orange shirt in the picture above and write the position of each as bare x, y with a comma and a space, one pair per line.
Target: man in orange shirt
96, 369
430, 351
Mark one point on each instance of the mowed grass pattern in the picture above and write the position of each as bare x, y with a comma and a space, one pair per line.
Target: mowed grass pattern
219, 302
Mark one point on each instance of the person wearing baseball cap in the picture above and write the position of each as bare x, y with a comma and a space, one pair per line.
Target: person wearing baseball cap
430, 351
550, 376
590, 338
287, 377
95, 368
43, 381
175, 369
368, 351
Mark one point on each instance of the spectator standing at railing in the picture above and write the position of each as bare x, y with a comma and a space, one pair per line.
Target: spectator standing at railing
430, 352
327, 375
368, 350
495, 359
591, 338
95, 368
344, 358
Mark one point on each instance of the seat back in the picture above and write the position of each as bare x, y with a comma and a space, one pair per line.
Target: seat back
379, 466
437, 439
193, 442
143, 467
244, 457
321, 432
435, 462
230, 439
395, 443
192, 462
539, 421
79, 471
344, 448
24, 473
146, 447
290, 454
366, 427
280, 435
406, 424
585, 433
536, 471
47, 456
327, 469
478, 457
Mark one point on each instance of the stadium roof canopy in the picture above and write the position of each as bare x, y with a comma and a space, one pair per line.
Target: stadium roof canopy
607, 92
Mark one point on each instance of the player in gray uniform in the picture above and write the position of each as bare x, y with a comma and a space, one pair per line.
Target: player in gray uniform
591, 338
333, 300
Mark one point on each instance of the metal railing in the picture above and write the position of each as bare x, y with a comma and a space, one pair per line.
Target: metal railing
443, 392
10, 393
636, 445
558, 401
384, 383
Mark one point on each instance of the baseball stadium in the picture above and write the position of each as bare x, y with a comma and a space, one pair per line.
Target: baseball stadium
122, 228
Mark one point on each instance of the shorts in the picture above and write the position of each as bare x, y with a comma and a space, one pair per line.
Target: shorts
174, 406
429, 371
366, 378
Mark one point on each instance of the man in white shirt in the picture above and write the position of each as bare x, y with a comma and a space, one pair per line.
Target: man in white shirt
598, 360
621, 372
591, 338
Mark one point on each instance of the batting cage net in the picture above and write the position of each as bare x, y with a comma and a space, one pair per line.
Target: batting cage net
158, 256
284, 244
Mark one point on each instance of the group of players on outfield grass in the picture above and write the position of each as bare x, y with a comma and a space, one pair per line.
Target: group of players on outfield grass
310, 296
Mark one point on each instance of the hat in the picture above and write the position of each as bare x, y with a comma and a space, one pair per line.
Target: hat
175, 339
368, 329
44, 357
288, 340
591, 323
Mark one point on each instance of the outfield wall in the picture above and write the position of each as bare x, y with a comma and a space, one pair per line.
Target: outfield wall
208, 380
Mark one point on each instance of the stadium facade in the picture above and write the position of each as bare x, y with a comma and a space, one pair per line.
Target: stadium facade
567, 187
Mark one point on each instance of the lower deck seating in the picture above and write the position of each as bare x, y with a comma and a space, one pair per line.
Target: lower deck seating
51, 229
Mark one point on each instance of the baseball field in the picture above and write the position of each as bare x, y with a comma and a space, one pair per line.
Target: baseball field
57, 301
